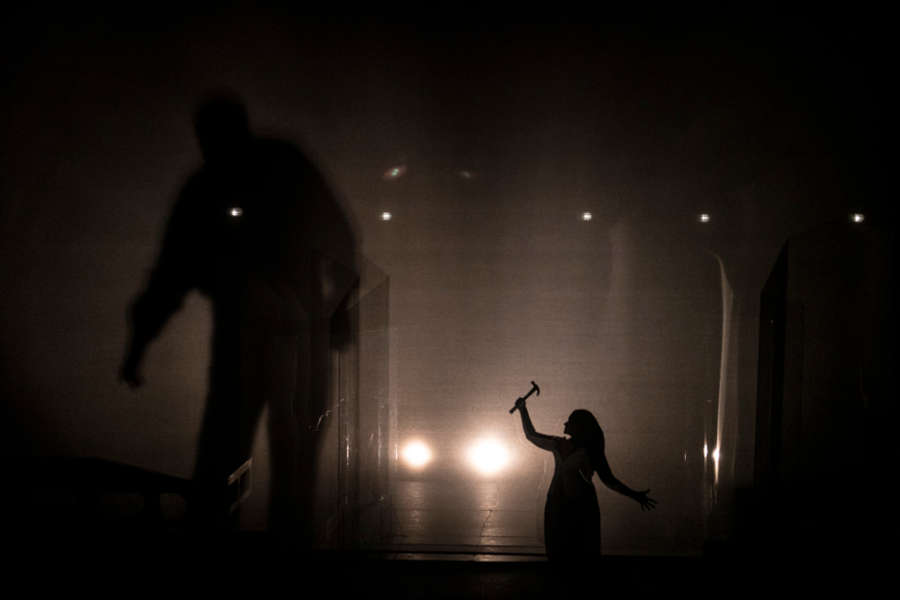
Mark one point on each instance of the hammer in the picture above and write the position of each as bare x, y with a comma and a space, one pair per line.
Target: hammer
534, 388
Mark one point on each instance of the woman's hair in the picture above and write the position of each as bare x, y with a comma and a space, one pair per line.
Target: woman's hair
588, 434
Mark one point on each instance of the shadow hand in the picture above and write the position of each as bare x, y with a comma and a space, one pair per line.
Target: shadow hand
646, 502
520, 403
129, 375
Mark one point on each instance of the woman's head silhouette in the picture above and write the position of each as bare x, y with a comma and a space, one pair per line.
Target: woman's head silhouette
582, 426
586, 433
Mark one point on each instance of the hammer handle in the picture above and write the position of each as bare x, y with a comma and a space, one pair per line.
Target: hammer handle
530, 392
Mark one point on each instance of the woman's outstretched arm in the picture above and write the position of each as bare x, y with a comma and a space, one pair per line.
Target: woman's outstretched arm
609, 480
547, 442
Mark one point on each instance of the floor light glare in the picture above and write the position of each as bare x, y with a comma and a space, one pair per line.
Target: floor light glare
488, 456
416, 454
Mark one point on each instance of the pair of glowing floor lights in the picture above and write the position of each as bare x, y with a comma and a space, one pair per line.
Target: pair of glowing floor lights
486, 456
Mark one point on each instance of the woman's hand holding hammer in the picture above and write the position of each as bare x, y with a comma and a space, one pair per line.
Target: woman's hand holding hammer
520, 402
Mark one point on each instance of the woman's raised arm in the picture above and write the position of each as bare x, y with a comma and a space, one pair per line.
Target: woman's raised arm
545, 442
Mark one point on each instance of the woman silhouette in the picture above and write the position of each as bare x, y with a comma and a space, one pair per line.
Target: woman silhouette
571, 514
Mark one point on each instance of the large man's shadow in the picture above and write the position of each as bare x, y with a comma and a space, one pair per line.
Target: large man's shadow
256, 230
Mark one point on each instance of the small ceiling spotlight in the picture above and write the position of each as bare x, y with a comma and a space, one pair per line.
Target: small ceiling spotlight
236, 211
703, 217
394, 172
586, 216
466, 174
857, 218
386, 216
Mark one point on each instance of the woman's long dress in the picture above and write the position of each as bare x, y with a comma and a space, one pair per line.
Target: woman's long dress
571, 514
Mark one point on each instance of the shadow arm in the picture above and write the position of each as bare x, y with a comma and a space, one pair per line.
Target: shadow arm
170, 280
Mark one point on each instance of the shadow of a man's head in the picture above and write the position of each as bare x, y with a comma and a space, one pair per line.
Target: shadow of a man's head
222, 126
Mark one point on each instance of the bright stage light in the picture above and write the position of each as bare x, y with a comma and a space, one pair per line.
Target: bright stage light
857, 217
416, 454
586, 216
386, 216
488, 456
236, 211
704, 218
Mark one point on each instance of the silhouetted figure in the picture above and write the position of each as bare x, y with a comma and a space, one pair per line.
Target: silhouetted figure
571, 514
257, 231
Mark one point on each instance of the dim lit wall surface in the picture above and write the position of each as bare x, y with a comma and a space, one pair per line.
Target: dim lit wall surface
593, 208
599, 322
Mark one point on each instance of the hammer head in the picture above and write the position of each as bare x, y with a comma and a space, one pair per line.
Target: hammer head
535, 388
